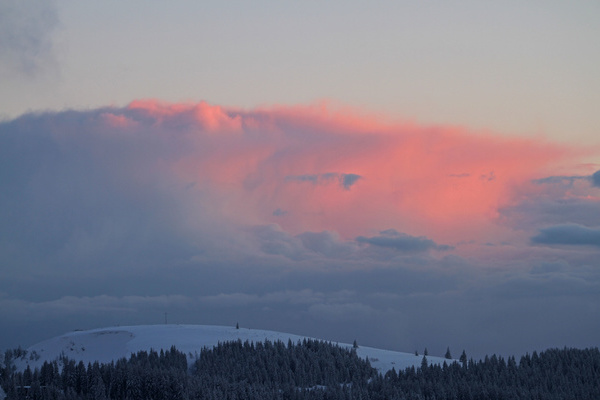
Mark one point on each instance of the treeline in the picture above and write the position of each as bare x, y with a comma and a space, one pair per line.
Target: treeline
306, 370
551, 374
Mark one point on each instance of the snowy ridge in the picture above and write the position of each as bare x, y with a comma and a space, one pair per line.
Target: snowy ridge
107, 344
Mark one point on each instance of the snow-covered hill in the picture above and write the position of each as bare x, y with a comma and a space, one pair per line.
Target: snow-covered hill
107, 344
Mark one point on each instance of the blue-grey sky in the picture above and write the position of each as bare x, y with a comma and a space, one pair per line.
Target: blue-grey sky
406, 174
512, 67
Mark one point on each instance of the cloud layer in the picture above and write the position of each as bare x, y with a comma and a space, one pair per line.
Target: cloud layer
310, 219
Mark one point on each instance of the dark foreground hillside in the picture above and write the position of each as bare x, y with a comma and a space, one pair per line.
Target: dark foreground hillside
306, 370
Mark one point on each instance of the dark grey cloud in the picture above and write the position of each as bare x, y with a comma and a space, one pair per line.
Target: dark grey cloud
560, 179
346, 181
402, 242
596, 179
273, 240
560, 200
568, 234
349, 179
26, 29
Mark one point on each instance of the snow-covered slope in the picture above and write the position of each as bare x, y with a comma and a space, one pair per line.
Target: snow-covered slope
107, 344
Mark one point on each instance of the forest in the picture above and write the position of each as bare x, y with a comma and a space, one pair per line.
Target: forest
308, 369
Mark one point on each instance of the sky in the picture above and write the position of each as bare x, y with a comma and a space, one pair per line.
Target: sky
409, 175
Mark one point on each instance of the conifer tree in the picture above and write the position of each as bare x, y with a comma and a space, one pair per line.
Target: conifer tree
463, 359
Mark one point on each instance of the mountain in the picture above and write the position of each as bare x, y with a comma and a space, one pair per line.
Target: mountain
107, 344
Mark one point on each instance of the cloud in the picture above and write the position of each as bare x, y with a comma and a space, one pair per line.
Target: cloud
275, 241
26, 29
554, 200
157, 183
348, 180
552, 209
560, 179
326, 243
266, 217
596, 179
402, 242
344, 180
568, 234
307, 245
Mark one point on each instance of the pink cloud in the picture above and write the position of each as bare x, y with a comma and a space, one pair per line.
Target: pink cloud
442, 181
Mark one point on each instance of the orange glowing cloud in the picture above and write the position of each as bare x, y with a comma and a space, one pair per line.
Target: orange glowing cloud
313, 168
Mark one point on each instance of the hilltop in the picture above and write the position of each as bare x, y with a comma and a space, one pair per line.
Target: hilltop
107, 344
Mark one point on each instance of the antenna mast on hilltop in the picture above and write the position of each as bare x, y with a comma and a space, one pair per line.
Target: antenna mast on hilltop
165, 318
